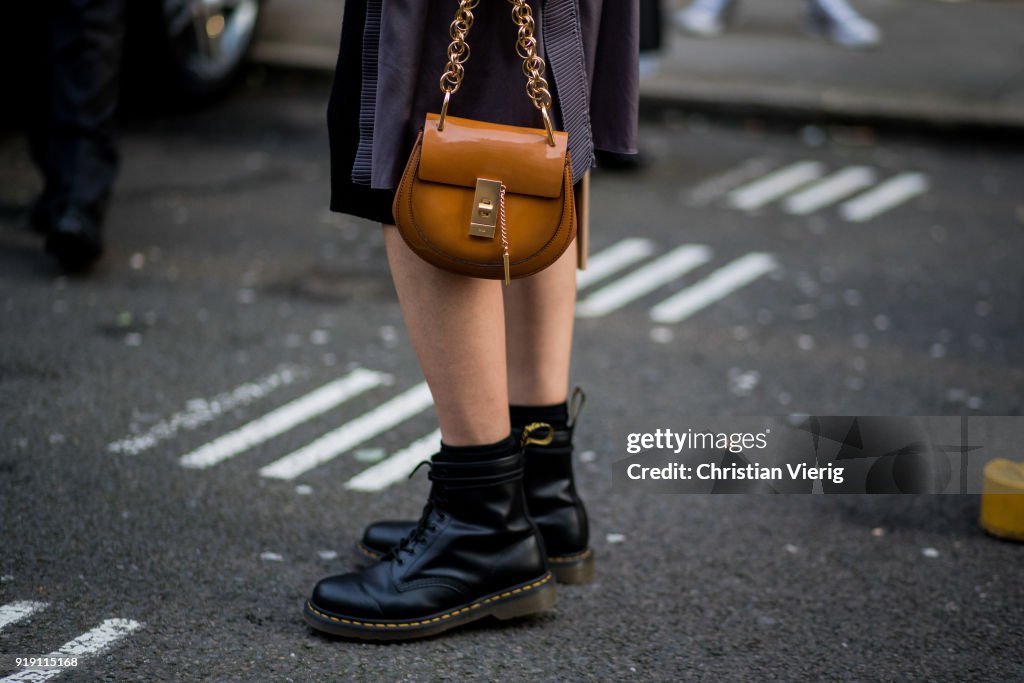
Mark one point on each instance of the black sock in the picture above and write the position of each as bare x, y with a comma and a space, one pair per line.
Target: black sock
490, 451
557, 415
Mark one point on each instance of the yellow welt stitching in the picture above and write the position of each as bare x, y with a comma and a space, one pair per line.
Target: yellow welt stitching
570, 558
367, 552
434, 619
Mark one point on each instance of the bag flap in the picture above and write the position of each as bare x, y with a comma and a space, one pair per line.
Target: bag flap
519, 157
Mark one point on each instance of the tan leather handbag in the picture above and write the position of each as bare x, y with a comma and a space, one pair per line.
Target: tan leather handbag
485, 199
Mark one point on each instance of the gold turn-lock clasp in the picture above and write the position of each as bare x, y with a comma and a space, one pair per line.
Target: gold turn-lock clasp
486, 206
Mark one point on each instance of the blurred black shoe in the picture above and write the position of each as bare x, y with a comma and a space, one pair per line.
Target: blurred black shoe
75, 238
40, 216
615, 161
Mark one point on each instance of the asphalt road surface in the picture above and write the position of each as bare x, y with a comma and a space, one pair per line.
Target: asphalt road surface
188, 432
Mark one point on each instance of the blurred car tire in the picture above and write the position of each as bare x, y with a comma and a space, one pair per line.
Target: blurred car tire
190, 51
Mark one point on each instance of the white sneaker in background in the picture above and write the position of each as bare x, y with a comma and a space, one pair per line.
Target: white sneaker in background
705, 17
650, 65
836, 21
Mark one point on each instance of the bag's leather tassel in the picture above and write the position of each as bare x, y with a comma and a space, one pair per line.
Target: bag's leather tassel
504, 235
582, 198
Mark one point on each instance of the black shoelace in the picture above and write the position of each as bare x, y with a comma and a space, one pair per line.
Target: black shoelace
426, 524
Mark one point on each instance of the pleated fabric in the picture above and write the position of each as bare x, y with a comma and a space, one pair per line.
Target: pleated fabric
564, 50
362, 167
394, 51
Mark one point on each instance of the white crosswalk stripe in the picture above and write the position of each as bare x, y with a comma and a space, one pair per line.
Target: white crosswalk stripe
615, 258
830, 190
14, 612
644, 280
284, 418
714, 287
775, 185
886, 196
806, 187
89, 644
713, 188
397, 467
200, 411
351, 434
624, 272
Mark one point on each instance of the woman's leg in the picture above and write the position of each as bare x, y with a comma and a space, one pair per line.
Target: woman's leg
475, 525
538, 321
458, 331
538, 326
538, 329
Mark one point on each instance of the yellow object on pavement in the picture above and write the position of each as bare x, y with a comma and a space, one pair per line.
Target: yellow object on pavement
1002, 499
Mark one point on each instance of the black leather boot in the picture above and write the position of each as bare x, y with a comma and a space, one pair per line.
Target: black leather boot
473, 553
75, 238
551, 500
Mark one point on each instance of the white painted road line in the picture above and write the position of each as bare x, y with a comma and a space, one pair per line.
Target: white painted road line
86, 645
775, 185
398, 466
714, 287
284, 418
830, 190
200, 411
713, 188
888, 195
351, 434
663, 270
617, 257
14, 612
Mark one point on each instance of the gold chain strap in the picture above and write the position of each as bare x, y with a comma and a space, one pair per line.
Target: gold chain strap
533, 64
458, 49
526, 47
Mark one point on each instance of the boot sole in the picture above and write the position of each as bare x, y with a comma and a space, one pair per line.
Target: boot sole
523, 600
571, 570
